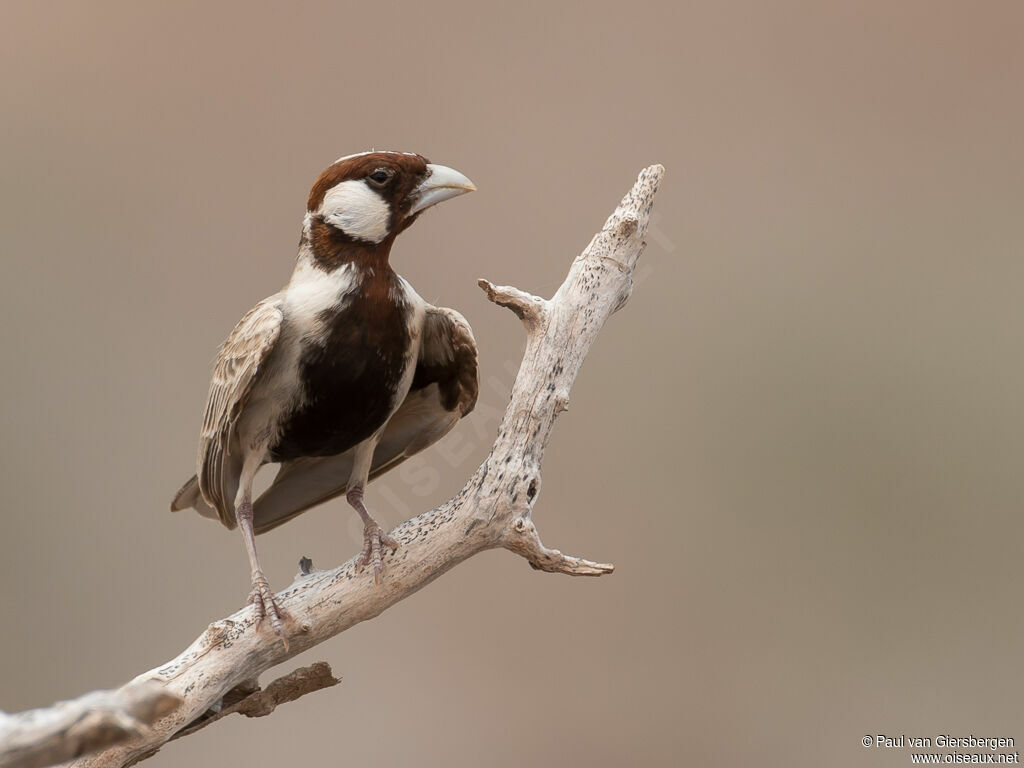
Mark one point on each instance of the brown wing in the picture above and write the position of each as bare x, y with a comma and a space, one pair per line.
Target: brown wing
448, 358
238, 363
444, 389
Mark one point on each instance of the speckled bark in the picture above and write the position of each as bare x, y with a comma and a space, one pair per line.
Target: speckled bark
494, 509
41, 737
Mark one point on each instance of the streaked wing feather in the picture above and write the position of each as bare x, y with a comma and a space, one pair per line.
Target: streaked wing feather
238, 363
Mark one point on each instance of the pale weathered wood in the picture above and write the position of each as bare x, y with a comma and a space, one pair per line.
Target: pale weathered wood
252, 701
494, 508
41, 737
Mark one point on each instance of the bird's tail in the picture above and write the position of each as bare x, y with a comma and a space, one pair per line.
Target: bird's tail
190, 496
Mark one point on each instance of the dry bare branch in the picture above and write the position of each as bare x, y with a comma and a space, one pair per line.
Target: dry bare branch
68, 729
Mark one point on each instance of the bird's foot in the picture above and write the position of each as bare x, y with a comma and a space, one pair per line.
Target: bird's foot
374, 539
266, 607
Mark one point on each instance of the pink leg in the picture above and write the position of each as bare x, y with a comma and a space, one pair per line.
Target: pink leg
374, 538
261, 595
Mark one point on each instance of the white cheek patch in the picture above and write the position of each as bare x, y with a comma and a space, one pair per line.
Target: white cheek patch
357, 210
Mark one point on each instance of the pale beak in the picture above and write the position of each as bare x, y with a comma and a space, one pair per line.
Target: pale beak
442, 183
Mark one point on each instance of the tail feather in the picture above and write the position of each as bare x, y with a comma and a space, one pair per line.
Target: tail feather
190, 496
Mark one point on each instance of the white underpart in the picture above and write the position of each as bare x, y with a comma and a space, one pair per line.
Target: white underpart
414, 324
357, 210
310, 292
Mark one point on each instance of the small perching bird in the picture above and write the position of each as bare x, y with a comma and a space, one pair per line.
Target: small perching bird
340, 376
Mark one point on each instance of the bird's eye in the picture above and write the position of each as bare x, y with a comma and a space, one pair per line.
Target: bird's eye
380, 177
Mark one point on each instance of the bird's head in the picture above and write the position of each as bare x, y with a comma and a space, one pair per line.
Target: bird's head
367, 199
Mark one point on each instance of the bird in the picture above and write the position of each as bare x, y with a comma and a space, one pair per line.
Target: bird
342, 374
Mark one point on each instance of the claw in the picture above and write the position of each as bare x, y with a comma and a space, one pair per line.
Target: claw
373, 538
263, 599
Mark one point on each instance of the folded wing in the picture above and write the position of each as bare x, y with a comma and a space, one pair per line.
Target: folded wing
238, 362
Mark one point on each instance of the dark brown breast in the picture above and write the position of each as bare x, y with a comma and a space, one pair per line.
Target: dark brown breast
352, 378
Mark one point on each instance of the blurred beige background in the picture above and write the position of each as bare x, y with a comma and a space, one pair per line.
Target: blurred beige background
801, 442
